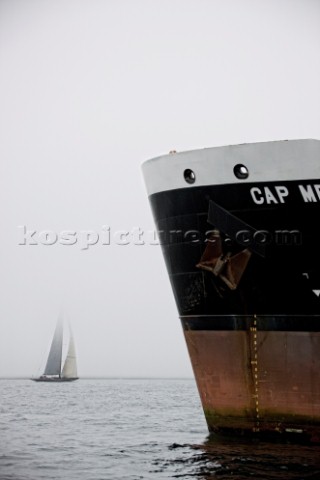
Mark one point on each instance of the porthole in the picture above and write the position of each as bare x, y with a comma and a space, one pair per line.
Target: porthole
189, 176
241, 171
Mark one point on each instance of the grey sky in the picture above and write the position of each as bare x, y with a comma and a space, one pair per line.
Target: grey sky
88, 91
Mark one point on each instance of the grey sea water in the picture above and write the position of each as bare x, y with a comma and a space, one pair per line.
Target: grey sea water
101, 429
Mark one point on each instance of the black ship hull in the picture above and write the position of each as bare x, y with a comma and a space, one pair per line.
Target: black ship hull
243, 259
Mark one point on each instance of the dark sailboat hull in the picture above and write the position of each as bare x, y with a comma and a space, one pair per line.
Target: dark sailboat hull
243, 259
54, 380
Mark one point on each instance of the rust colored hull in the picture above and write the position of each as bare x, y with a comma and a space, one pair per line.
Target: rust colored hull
243, 387
237, 231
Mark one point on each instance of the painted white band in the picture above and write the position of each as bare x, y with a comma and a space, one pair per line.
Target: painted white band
267, 162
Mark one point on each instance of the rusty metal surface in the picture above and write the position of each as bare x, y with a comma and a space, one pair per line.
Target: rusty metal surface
258, 381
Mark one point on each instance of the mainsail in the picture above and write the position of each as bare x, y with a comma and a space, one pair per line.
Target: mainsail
53, 366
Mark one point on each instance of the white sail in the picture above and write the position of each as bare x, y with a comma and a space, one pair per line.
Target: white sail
70, 364
53, 366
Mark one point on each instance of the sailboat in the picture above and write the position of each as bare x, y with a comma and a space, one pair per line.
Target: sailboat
55, 370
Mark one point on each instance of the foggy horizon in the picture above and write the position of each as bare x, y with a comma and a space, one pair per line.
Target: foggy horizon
88, 92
